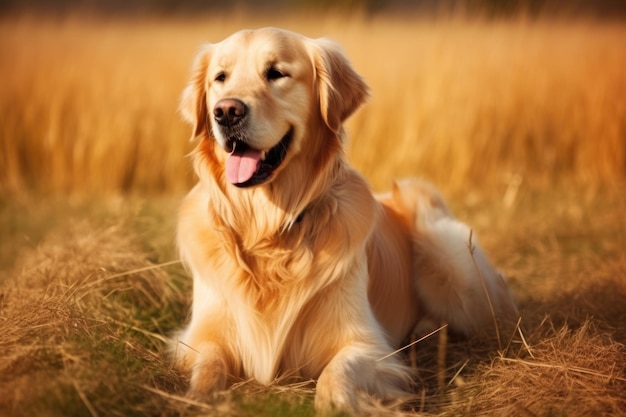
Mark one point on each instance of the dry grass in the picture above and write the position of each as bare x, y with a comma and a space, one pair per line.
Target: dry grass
542, 100
88, 104
530, 114
562, 371
84, 317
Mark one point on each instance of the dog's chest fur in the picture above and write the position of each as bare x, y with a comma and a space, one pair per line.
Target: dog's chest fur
267, 299
265, 287
266, 340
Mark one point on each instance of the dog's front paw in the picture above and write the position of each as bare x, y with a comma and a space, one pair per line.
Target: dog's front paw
207, 378
209, 370
335, 392
355, 376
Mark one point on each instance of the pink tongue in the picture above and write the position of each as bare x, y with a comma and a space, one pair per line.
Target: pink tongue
241, 166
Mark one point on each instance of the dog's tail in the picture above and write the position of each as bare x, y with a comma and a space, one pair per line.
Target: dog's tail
455, 282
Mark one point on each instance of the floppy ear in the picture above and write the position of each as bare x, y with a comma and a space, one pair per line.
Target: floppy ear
193, 99
341, 89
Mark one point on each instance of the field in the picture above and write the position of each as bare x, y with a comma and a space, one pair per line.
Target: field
521, 122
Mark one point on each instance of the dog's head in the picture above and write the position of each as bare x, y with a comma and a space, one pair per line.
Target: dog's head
263, 96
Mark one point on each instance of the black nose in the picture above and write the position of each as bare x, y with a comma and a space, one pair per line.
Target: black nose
229, 111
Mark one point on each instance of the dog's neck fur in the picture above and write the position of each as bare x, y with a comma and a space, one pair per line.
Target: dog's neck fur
246, 230
283, 200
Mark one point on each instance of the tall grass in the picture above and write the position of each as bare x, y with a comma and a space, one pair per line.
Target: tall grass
90, 105
482, 103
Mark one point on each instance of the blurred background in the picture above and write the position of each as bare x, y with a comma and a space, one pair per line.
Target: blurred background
485, 95
491, 7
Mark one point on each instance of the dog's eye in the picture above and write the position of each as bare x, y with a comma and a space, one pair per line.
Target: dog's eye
220, 77
273, 74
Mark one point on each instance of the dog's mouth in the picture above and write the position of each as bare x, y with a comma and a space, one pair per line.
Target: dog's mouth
247, 166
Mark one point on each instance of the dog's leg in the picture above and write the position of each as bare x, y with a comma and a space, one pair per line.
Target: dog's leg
210, 371
359, 368
200, 349
336, 386
361, 363
208, 364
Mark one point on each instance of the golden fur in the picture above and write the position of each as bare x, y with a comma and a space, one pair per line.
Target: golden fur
307, 273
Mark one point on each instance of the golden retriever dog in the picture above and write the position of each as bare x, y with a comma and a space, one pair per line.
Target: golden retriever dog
298, 269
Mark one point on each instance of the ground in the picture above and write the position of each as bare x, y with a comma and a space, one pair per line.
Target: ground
91, 291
